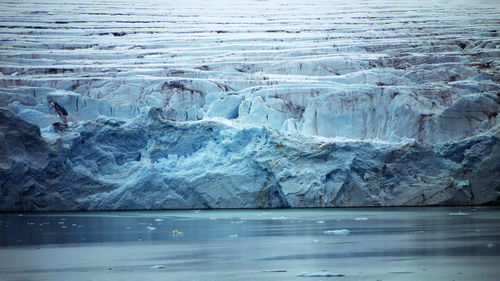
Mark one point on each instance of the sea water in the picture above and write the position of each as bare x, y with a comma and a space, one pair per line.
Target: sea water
460, 243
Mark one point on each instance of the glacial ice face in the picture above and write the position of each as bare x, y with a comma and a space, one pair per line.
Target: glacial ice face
150, 162
342, 104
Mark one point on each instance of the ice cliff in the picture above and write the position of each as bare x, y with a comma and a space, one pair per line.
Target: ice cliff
254, 104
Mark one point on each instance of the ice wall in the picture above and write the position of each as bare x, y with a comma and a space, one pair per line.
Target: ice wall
248, 104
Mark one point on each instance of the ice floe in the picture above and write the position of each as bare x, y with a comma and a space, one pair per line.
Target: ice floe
319, 274
337, 232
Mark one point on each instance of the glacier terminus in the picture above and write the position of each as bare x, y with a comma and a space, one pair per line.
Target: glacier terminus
248, 104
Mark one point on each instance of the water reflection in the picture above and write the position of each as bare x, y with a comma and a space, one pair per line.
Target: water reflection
416, 225
232, 243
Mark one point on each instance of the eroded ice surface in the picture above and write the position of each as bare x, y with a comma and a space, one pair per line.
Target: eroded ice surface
394, 244
182, 104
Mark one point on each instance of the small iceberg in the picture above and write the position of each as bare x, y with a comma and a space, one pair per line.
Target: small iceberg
337, 232
150, 228
319, 274
158, 220
279, 218
157, 267
233, 236
459, 214
320, 222
361, 219
176, 232
490, 245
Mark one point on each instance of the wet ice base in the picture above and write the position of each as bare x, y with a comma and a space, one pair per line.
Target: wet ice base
293, 244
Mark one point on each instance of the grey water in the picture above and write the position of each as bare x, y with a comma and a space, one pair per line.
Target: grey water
437, 243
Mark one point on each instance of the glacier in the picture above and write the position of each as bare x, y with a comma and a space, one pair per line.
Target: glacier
248, 104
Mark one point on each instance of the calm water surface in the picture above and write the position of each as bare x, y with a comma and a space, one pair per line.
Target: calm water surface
350, 244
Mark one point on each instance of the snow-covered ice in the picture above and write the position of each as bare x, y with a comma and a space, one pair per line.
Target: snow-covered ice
118, 105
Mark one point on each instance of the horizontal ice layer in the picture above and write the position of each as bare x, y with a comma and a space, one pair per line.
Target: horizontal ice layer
248, 104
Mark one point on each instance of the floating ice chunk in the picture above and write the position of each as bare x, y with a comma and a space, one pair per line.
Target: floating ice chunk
150, 228
337, 232
64, 226
316, 241
361, 219
490, 245
176, 232
157, 267
279, 218
233, 236
236, 222
320, 222
319, 274
61, 222
212, 218
459, 214
158, 220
